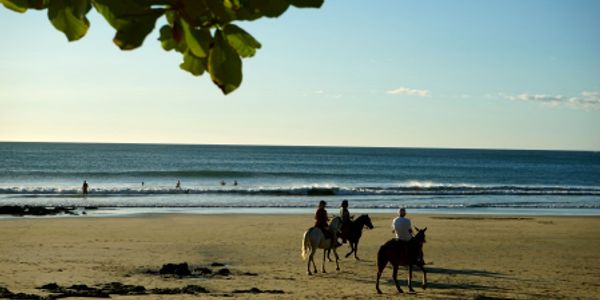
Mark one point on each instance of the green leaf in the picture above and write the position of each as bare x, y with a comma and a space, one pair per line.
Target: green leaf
253, 9
197, 40
193, 64
68, 16
241, 41
166, 38
16, 5
196, 12
269, 8
224, 65
306, 3
169, 41
80, 7
132, 19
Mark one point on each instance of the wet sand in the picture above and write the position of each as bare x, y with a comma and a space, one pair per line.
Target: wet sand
469, 257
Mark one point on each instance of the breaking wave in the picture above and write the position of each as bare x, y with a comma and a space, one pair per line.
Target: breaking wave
410, 189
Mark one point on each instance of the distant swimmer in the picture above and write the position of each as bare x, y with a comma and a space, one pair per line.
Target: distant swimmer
85, 187
178, 185
223, 182
142, 183
235, 182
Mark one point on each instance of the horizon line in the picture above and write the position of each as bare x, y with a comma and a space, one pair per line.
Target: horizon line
300, 145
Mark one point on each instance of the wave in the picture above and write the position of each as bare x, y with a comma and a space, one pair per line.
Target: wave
409, 189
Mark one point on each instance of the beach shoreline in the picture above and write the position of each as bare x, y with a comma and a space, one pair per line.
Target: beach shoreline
468, 256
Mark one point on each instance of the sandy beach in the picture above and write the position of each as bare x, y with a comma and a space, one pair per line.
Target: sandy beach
469, 257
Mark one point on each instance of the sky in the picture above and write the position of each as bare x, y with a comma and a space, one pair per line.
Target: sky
501, 74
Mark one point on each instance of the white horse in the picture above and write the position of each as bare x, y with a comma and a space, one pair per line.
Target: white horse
315, 239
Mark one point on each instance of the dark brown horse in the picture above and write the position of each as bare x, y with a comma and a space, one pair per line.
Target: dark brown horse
354, 232
401, 253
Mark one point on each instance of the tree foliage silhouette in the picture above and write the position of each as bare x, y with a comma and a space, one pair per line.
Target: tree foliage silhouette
203, 31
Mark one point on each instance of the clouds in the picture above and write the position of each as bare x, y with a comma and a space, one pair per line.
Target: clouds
404, 91
587, 99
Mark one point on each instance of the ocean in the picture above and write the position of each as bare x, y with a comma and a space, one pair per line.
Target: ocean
126, 178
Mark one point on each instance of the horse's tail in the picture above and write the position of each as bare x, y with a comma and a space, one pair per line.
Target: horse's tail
305, 244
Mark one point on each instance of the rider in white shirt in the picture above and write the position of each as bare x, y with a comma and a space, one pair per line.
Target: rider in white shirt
402, 226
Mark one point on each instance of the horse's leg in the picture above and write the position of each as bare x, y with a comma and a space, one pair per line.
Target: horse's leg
351, 249
310, 259
377, 282
337, 259
328, 253
381, 263
410, 269
356, 250
395, 278
323, 265
424, 284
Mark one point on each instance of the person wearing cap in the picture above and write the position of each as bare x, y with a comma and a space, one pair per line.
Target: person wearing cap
402, 226
346, 220
321, 220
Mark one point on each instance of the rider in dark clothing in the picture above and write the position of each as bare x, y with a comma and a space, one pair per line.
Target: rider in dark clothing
321, 220
346, 220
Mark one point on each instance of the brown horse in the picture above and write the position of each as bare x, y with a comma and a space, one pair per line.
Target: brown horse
401, 253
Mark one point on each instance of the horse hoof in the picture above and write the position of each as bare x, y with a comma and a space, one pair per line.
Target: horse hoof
424, 287
309, 273
411, 290
337, 269
357, 258
379, 292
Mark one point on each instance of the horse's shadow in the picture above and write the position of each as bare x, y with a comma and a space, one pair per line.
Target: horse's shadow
471, 272
441, 285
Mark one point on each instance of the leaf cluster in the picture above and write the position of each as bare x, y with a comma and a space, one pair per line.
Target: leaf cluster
202, 31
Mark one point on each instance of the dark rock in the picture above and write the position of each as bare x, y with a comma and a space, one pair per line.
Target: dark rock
204, 271
250, 274
5, 293
224, 272
181, 269
217, 264
166, 291
34, 210
52, 287
26, 296
118, 288
193, 289
81, 287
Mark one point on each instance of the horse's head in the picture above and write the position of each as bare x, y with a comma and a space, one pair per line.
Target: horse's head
420, 236
365, 221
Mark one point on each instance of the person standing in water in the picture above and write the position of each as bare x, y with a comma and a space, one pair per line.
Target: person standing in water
85, 187
178, 185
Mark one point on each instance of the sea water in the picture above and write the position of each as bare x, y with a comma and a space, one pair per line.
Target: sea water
286, 179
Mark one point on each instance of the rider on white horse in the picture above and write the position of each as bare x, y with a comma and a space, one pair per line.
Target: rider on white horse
321, 221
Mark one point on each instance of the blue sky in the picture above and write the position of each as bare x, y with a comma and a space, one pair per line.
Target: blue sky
456, 74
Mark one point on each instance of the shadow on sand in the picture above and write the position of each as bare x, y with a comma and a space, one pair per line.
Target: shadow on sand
470, 272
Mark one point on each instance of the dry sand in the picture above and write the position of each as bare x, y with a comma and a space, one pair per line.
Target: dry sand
470, 257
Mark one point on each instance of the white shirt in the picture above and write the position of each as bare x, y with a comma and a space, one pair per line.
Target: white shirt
402, 227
